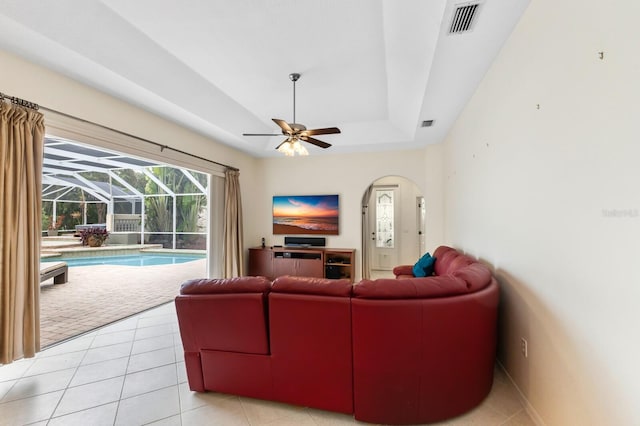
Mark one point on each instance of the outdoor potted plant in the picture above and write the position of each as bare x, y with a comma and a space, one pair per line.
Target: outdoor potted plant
93, 236
52, 229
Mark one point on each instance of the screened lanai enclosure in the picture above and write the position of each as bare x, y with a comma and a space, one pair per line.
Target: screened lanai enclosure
137, 201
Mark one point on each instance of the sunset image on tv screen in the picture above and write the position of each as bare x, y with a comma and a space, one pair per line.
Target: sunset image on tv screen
305, 214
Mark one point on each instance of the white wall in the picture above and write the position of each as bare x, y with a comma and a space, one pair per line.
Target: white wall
541, 182
348, 175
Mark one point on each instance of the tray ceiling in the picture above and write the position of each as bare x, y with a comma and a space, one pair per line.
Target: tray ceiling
374, 68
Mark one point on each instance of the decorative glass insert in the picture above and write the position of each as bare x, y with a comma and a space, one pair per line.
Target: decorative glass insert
384, 218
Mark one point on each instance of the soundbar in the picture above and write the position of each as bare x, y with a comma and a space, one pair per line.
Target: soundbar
305, 241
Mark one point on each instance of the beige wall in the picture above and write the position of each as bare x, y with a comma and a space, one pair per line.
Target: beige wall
542, 182
349, 176
49, 89
25, 80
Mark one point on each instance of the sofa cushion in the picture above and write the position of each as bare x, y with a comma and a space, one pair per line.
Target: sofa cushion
443, 263
424, 266
460, 262
226, 285
442, 250
410, 288
476, 276
309, 285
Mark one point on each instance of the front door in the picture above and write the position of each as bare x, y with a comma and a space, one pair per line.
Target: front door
384, 237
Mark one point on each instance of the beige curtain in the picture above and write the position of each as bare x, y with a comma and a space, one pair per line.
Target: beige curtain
233, 250
21, 145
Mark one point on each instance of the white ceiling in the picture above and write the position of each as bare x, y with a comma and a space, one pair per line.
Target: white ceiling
374, 68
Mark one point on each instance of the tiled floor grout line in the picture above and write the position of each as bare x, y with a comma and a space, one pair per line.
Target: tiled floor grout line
244, 412
512, 417
80, 364
53, 416
66, 388
178, 387
126, 369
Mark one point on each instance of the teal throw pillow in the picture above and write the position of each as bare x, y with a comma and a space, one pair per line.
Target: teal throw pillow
424, 266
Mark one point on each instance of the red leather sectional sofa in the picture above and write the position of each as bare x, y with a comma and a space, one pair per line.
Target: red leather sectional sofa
393, 351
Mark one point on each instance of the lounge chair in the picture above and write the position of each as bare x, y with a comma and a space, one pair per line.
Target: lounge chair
59, 271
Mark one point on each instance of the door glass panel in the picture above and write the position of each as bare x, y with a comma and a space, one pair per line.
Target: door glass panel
384, 218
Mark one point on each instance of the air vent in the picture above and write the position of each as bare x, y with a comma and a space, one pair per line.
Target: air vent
463, 18
427, 123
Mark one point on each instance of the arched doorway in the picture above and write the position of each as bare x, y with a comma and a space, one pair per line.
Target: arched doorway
393, 212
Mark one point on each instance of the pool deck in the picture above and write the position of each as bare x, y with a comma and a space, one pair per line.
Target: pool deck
101, 294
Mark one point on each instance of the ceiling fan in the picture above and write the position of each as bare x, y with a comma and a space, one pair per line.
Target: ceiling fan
296, 132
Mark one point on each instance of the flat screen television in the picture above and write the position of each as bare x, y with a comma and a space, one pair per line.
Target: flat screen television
305, 214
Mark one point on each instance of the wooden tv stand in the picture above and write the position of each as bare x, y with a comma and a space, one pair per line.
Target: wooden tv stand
318, 262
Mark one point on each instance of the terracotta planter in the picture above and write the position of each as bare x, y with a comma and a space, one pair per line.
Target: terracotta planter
94, 242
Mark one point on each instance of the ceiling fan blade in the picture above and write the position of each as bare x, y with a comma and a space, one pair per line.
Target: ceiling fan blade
316, 142
262, 134
283, 125
327, 131
282, 143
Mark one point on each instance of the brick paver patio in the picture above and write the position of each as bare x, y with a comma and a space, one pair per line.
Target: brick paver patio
98, 295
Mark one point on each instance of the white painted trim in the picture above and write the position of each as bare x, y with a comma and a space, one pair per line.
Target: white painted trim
531, 411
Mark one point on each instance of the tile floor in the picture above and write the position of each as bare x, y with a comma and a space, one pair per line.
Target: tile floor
132, 373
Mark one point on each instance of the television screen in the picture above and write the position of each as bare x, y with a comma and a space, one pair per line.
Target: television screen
305, 214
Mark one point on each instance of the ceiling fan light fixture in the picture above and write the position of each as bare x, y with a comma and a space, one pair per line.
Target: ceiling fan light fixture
291, 147
286, 148
299, 149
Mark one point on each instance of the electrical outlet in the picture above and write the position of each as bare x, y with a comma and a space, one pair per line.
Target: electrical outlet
524, 347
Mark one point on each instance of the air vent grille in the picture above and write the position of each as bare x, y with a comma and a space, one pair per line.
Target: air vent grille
463, 18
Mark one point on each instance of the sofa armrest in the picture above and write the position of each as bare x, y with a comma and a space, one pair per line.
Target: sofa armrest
405, 270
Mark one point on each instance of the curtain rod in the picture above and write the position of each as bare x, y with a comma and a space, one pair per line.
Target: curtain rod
19, 101
159, 145
36, 107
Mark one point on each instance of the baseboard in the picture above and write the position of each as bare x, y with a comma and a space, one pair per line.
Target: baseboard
537, 419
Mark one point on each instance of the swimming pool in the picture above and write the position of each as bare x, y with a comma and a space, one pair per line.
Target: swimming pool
141, 259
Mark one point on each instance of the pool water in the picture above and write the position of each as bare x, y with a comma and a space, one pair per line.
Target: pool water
146, 259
